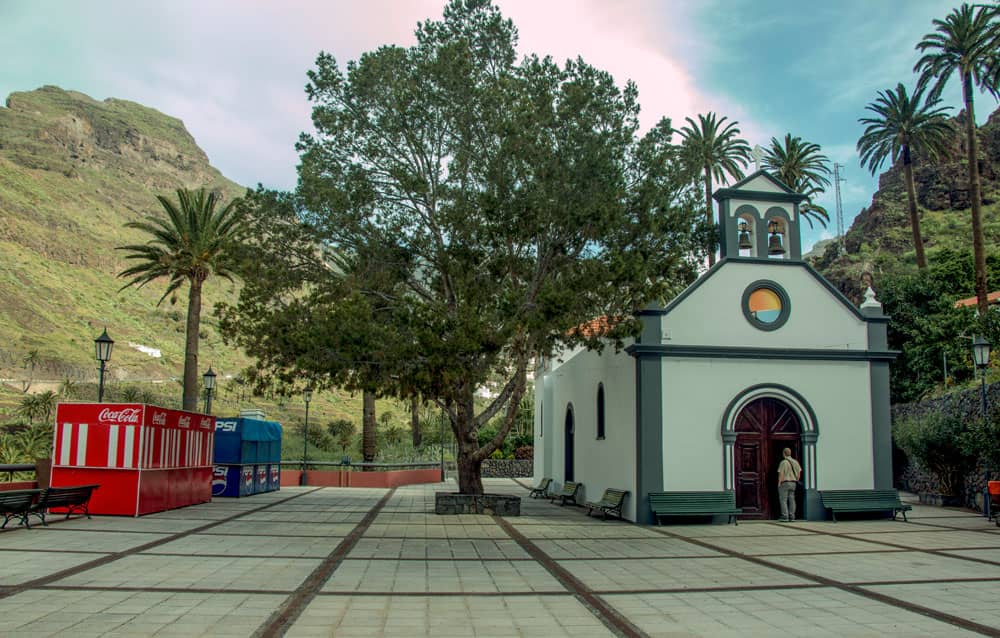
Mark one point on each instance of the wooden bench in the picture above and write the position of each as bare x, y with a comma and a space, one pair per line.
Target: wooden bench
75, 498
664, 504
542, 490
17, 504
610, 503
569, 490
864, 501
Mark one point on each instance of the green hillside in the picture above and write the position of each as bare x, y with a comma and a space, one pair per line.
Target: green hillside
73, 172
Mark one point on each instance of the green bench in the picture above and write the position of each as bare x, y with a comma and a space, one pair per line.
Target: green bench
665, 504
568, 493
75, 499
542, 490
610, 503
863, 501
17, 504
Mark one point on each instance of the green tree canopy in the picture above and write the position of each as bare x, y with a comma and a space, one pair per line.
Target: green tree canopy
459, 213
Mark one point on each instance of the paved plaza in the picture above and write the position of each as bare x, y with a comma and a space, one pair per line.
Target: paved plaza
373, 562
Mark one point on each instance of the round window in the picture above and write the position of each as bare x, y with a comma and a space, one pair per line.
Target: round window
766, 305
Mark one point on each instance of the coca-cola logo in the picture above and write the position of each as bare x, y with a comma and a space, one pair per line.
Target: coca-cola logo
125, 415
184, 422
159, 418
206, 424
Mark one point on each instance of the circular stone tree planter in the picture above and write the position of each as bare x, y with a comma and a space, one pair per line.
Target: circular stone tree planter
491, 504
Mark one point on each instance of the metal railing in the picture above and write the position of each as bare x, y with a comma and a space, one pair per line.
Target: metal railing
372, 466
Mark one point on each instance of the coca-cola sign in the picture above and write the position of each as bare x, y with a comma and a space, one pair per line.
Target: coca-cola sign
184, 422
206, 424
125, 415
159, 418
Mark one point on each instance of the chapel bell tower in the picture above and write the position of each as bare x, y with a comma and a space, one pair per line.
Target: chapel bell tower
759, 218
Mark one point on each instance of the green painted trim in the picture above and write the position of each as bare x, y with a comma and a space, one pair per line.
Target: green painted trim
648, 428
770, 386
728, 352
767, 196
775, 287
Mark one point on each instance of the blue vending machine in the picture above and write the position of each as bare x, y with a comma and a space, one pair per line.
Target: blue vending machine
244, 448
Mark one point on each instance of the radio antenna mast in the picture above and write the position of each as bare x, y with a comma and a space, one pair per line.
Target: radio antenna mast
837, 179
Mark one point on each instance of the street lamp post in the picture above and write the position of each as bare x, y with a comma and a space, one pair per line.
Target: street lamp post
981, 355
307, 396
102, 345
209, 379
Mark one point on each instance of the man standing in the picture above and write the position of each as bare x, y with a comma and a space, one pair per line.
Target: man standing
789, 472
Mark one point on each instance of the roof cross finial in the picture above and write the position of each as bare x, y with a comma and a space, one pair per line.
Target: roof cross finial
758, 154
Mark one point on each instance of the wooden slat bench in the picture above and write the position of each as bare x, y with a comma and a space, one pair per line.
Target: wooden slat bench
74, 498
542, 490
664, 504
568, 493
16, 504
610, 503
864, 501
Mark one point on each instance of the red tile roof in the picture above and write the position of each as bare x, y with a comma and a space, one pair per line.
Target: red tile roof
596, 327
993, 297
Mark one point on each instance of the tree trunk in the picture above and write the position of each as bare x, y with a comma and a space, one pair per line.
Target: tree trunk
710, 214
368, 446
190, 392
470, 474
978, 241
911, 196
415, 421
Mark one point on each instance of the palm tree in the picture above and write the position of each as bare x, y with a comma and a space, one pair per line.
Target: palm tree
194, 242
801, 166
710, 151
964, 43
903, 124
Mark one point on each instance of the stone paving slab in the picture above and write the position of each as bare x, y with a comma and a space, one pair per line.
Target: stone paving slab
77, 613
447, 617
889, 567
436, 531
992, 555
622, 548
24, 566
810, 612
854, 527
274, 528
422, 548
380, 576
585, 531
676, 573
329, 515
943, 539
973, 601
972, 521
76, 540
745, 528
202, 572
805, 544
249, 545
131, 524
430, 518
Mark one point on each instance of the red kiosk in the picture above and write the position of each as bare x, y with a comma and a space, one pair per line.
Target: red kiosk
145, 458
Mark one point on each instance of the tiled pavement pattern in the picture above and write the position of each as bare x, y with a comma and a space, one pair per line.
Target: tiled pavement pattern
368, 562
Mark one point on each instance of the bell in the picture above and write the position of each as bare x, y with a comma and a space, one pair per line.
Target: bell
745, 242
774, 246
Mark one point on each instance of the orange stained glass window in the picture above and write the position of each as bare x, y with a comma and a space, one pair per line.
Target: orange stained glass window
765, 305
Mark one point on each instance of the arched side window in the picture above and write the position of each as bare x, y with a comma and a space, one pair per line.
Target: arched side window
600, 411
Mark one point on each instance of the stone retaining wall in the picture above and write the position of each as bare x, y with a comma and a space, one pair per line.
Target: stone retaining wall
968, 405
508, 468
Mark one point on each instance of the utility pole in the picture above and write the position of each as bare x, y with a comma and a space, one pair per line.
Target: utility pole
837, 179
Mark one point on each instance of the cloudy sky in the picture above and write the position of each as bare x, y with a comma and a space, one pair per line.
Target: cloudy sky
234, 70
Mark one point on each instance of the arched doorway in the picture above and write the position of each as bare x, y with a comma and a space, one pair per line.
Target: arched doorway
568, 445
764, 427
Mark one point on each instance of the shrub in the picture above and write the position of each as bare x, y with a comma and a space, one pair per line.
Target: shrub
525, 452
938, 442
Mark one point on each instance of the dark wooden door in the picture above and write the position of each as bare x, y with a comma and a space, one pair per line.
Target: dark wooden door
568, 447
763, 429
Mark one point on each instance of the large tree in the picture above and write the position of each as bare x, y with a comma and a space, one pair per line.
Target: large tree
193, 242
457, 214
964, 43
904, 125
804, 169
711, 150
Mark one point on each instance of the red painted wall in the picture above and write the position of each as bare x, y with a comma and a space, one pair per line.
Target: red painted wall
339, 478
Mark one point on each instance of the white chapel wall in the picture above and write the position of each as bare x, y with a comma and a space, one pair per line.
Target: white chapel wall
598, 464
696, 393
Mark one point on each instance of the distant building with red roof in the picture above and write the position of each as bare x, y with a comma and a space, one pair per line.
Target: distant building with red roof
993, 297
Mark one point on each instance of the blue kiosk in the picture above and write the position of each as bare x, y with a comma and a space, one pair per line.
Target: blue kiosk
247, 457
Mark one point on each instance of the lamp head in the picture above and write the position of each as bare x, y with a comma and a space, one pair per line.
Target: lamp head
103, 345
209, 379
